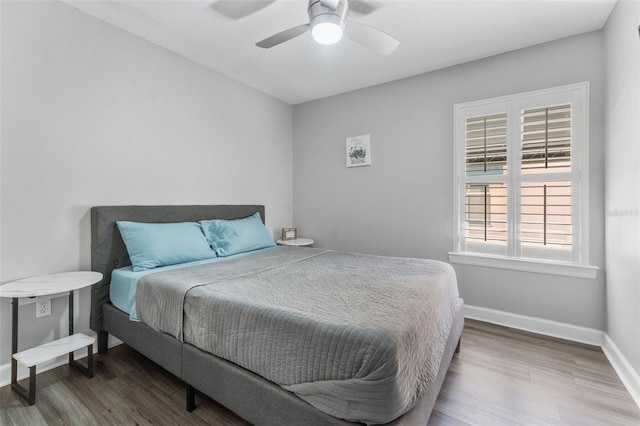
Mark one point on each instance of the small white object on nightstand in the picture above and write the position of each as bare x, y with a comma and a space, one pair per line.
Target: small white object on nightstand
298, 242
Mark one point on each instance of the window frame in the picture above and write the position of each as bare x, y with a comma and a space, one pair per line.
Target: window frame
510, 256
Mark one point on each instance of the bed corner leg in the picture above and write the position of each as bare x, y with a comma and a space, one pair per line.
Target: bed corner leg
103, 338
458, 347
191, 398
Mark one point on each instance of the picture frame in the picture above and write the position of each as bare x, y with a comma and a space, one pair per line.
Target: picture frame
359, 151
289, 234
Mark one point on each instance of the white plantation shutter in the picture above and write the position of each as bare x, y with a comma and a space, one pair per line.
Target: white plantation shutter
486, 144
486, 213
545, 206
486, 157
546, 138
521, 174
545, 214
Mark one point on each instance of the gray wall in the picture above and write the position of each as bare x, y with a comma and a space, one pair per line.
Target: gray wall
622, 176
402, 205
92, 115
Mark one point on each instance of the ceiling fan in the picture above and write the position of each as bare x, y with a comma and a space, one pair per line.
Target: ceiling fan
328, 22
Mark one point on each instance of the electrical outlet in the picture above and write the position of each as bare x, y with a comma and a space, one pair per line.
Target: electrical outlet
43, 307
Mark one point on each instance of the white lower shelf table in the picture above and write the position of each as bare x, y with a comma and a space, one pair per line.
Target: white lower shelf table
45, 352
298, 242
42, 286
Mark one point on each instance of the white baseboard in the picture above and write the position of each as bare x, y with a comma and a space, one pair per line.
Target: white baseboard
23, 372
625, 371
575, 333
590, 336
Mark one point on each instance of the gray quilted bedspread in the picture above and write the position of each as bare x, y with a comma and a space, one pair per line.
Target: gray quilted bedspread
359, 337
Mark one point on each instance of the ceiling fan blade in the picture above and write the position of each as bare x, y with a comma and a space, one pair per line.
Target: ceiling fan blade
234, 9
361, 7
283, 36
371, 38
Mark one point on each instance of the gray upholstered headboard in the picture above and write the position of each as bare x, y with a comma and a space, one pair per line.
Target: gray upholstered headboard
109, 252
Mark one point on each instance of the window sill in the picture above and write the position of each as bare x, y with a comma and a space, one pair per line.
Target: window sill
525, 265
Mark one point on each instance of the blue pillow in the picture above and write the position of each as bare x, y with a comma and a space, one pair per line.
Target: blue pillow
229, 237
158, 244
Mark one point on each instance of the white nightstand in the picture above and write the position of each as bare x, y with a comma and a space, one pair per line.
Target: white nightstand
298, 242
43, 286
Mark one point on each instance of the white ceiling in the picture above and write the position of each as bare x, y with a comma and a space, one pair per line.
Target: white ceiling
433, 35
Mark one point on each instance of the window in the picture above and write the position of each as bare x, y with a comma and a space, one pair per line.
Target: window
521, 181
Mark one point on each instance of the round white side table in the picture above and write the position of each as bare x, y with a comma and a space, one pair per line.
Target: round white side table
298, 242
45, 285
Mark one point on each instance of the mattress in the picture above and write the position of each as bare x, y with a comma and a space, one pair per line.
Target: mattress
124, 282
358, 337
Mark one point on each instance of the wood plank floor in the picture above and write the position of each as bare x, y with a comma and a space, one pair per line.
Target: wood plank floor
501, 377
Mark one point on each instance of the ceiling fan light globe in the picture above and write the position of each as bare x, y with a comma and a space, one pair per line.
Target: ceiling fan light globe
327, 28
326, 33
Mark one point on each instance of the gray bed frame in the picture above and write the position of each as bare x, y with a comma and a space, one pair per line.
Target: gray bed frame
250, 396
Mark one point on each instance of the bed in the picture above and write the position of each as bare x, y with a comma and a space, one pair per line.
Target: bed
239, 383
